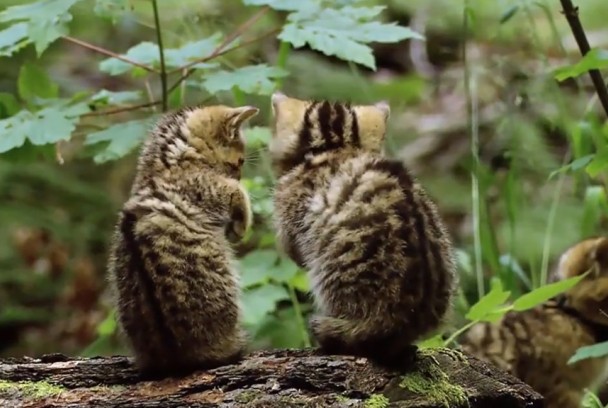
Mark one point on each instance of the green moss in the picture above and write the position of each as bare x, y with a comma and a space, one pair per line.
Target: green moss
430, 381
342, 398
246, 397
376, 401
35, 390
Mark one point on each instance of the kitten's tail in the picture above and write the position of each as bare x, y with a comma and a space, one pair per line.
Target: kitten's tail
363, 338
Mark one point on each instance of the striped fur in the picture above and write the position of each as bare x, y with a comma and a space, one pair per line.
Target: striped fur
379, 258
535, 345
171, 262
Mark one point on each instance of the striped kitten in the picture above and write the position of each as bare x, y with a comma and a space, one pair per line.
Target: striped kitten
171, 262
379, 257
535, 345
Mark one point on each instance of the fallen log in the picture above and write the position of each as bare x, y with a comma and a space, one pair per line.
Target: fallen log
279, 378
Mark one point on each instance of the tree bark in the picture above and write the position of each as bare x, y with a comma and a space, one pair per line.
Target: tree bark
280, 378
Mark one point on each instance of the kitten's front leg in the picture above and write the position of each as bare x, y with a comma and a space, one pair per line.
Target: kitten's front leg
239, 212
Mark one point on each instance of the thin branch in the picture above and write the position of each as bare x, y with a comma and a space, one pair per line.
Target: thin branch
107, 53
571, 13
122, 109
227, 41
226, 51
161, 50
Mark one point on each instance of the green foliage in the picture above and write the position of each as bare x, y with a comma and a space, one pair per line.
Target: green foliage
490, 307
594, 59
121, 139
254, 79
596, 350
544, 293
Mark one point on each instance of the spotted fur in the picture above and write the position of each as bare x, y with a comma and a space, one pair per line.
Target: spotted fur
171, 261
378, 255
535, 345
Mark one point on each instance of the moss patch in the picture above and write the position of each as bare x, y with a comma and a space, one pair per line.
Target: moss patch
246, 397
376, 401
34, 390
430, 381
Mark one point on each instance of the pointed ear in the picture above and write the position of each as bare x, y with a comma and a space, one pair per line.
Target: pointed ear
239, 115
600, 253
276, 100
384, 107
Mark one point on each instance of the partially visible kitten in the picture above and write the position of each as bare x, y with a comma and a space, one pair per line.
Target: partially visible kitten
379, 257
171, 263
535, 345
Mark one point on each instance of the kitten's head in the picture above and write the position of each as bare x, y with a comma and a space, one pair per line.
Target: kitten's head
196, 137
590, 295
310, 127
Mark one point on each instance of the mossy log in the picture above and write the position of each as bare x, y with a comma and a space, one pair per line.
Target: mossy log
281, 378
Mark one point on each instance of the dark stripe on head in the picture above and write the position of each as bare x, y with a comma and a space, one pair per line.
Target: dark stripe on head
354, 127
324, 122
338, 124
137, 265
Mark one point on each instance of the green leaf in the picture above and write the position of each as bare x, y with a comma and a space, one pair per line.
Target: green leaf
544, 293
122, 138
594, 59
115, 98
509, 13
598, 164
256, 265
596, 350
53, 124
254, 79
146, 53
282, 5
300, 281
490, 304
111, 9
13, 39
178, 57
595, 206
343, 33
280, 331
257, 137
34, 83
432, 342
108, 326
258, 302
8, 105
285, 271
46, 20
14, 130
576, 165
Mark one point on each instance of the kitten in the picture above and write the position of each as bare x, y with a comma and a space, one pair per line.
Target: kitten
379, 257
535, 345
171, 263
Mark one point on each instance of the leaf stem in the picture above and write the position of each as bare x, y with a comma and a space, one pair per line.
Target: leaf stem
458, 332
282, 57
107, 53
571, 13
161, 51
298, 310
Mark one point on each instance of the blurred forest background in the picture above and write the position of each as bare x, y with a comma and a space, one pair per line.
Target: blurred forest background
515, 159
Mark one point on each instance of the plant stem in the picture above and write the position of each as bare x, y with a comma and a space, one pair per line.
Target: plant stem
106, 52
215, 55
458, 332
122, 109
472, 113
161, 51
298, 310
282, 57
571, 13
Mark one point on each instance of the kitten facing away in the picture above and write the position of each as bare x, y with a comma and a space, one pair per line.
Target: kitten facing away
379, 258
171, 263
535, 345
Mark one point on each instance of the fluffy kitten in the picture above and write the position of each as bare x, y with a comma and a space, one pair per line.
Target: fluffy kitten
379, 257
171, 261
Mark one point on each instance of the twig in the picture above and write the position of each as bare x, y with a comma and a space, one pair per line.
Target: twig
226, 51
105, 52
571, 13
122, 109
161, 50
227, 41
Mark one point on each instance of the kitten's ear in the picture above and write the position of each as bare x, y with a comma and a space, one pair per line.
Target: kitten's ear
384, 107
600, 253
276, 100
239, 115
